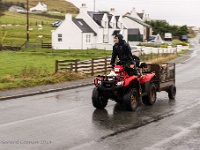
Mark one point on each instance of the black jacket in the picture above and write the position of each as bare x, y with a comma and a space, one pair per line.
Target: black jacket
123, 51
136, 60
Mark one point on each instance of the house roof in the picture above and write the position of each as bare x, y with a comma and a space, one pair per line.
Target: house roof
133, 31
83, 26
117, 18
109, 19
96, 16
138, 21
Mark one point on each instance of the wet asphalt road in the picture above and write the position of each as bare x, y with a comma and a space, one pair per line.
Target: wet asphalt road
67, 120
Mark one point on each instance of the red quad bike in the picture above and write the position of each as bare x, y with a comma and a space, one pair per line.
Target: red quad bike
132, 90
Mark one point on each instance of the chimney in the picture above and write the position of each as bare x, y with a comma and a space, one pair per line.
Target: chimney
133, 9
83, 8
143, 11
112, 11
68, 16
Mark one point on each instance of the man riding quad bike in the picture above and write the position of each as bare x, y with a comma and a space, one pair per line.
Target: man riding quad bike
127, 84
124, 88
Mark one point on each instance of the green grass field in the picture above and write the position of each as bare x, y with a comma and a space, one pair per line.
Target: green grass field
13, 28
12, 63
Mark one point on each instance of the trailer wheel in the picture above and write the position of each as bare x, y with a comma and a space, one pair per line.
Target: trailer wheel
98, 100
150, 98
131, 100
172, 92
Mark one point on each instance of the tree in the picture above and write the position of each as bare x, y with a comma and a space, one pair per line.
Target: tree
163, 27
183, 30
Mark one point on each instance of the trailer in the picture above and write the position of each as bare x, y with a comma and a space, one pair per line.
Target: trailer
164, 77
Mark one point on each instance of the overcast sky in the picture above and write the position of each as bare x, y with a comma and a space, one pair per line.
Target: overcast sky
175, 12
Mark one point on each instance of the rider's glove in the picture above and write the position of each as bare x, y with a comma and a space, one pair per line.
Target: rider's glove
112, 65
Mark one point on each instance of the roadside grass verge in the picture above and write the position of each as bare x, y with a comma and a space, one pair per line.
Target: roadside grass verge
11, 82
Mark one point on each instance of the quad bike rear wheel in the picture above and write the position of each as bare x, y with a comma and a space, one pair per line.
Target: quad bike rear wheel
131, 100
150, 98
172, 92
98, 100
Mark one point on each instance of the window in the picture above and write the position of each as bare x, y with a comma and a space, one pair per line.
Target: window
88, 38
59, 37
105, 38
106, 24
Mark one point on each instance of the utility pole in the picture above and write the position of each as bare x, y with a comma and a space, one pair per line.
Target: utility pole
27, 21
94, 5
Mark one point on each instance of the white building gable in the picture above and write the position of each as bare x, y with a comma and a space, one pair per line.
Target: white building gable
40, 7
73, 34
132, 24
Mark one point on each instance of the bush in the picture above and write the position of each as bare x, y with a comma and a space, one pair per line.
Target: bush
178, 42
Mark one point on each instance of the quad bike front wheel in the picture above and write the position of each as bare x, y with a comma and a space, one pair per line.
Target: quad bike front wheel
131, 100
98, 100
150, 98
172, 92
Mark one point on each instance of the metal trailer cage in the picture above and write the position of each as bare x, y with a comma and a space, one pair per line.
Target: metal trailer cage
165, 75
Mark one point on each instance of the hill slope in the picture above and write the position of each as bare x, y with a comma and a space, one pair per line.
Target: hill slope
53, 5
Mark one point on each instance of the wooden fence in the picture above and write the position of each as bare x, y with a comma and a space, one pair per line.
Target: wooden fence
90, 67
97, 65
46, 45
13, 48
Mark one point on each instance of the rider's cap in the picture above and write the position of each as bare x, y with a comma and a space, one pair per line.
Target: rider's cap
120, 36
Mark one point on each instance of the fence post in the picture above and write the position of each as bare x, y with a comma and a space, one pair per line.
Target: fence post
158, 53
76, 65
162, 52
56, 66
41, 43
92, 67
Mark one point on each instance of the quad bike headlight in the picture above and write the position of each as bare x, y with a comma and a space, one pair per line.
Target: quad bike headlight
99, 82
120, 83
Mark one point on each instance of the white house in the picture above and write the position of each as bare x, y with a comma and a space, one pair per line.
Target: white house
94, 30
15, 8
73, 34
40, 7
99, 22
138, 30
